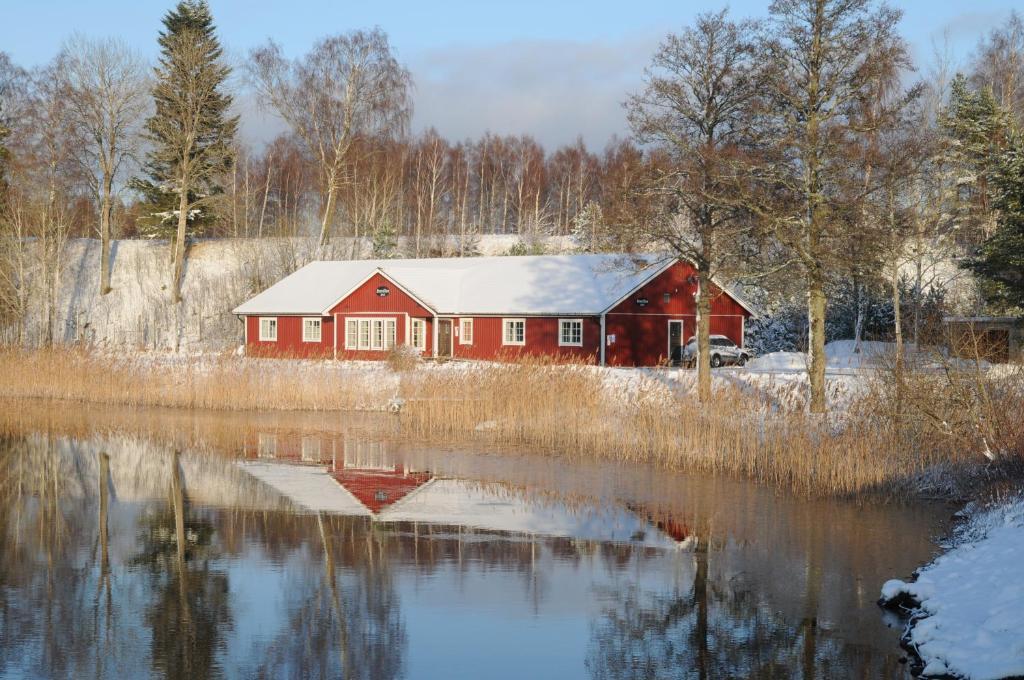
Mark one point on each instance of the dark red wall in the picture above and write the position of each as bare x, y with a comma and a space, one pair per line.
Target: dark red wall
364, 302
289, 339
541, 339
641, 331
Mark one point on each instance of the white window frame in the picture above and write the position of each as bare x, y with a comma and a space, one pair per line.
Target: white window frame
505, 325
465, 324
266, 445
421, 342
271, 323
351, 333
371, 333
377, 334
311, 449
564, 323
319, 325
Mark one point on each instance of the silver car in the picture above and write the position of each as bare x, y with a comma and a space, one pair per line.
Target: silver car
724, 352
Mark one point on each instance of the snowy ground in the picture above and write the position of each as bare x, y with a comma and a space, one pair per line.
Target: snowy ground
968, 612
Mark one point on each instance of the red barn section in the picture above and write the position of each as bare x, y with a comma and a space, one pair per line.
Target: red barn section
289, 341
363, 468
640, 327
541, 340
380, 298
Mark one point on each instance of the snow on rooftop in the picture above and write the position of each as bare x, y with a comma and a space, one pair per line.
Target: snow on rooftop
308, 486
543, 284
457, 502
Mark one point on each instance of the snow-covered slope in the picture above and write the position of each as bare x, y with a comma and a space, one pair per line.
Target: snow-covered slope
219, 275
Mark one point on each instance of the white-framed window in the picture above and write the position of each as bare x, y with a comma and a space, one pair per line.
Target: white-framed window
418, 334
311, 449
390, 333
370, 334
364, 334
351, 334
268, 329
266, 445
377, 336
311, 329
570, 332
513, 331
465, 331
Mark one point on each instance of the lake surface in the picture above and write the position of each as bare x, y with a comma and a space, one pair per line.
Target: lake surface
170, 544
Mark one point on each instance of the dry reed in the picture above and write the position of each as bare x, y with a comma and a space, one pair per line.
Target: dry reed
571, 410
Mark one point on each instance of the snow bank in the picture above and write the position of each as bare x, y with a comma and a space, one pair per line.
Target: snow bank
839, 355
969, 620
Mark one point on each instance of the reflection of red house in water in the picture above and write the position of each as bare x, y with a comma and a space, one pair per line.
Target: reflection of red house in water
677, 530
378, 489
363, 468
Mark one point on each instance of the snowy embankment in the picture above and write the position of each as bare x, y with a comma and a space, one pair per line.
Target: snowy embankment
967, 607
219, 275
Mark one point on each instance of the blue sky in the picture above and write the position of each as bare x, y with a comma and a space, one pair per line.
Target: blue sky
553, 68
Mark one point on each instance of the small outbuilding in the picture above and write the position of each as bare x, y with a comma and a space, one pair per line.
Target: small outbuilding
619, 310
998, 339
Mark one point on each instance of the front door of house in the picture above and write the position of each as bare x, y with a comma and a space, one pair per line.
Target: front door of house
444, 337
675, 341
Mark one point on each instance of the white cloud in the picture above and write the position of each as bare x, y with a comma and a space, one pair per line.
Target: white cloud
553, 90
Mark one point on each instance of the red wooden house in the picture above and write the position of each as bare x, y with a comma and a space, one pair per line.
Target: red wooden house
605, 309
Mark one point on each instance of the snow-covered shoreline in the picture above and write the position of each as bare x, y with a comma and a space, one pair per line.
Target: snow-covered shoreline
966, 608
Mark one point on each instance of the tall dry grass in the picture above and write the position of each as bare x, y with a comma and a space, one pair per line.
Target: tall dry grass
573, 411
217, 382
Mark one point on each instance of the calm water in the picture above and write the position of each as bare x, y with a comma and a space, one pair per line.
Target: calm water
185, 546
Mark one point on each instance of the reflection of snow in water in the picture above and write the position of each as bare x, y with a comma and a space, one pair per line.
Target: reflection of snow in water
140, 471
456, 502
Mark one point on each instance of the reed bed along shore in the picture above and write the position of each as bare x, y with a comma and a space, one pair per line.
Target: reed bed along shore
579, 412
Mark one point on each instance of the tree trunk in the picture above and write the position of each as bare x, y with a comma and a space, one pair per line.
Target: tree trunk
178, 257
816, 342
703, 336
325, 223
106, 206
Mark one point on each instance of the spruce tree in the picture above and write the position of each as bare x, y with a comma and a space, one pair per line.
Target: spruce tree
190, 132
977, 126
999, 263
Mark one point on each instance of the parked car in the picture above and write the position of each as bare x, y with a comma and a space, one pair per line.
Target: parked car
724, 352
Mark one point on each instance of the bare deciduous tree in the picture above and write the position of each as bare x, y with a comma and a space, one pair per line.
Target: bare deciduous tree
699, 106
347, 87
822, 68
106, 87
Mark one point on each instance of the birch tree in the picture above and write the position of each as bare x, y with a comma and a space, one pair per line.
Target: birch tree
106, 87
348, 86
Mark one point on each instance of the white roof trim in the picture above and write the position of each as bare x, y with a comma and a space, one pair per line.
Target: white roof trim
362, 283
640, 285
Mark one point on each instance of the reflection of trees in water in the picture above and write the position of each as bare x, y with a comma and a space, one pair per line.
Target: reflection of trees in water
55, 611
344, 620
718, 629
191, 609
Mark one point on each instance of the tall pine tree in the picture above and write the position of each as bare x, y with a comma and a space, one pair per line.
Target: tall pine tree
999, 263
977, 126
190, 132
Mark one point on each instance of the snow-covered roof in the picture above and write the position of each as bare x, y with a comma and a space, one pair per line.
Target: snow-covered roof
530, 285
